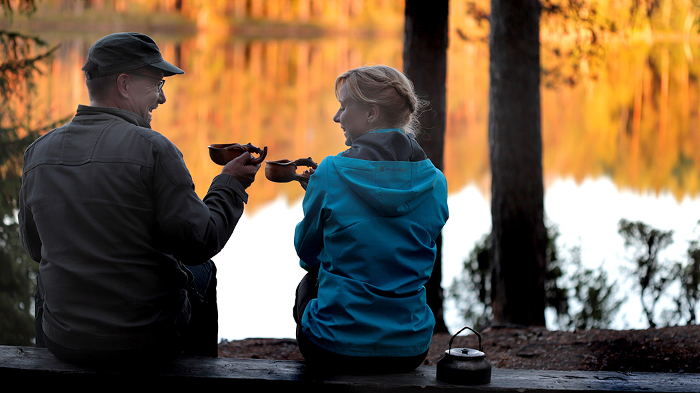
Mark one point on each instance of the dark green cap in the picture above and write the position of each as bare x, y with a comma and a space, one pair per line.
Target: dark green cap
121, 52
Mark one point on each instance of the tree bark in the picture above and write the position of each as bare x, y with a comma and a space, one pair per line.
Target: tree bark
515, 147
425, 63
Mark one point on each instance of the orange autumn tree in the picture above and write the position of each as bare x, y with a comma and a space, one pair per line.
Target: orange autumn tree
21, 57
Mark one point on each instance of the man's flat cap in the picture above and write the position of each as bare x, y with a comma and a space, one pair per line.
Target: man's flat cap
121, 52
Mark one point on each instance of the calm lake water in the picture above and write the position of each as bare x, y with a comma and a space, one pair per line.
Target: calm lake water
622, 143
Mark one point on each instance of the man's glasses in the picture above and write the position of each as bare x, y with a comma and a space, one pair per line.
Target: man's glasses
160, 84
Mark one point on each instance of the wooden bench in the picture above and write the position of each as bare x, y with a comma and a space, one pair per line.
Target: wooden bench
32, 367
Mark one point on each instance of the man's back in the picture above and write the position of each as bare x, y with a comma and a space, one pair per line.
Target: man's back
91, 186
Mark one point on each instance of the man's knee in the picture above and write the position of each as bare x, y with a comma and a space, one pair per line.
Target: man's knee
204, 277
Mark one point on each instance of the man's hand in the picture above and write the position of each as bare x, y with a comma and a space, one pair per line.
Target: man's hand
241, 169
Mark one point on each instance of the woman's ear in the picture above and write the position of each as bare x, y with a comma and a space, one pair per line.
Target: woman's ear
373, 113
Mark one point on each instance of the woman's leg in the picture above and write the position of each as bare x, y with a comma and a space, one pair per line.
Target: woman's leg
307, 290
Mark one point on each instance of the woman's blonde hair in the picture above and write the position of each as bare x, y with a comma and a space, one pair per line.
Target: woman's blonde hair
388, 88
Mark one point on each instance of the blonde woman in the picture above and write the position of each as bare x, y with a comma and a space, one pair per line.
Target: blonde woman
371, 217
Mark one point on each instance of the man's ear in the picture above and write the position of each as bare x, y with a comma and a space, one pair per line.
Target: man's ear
123, 85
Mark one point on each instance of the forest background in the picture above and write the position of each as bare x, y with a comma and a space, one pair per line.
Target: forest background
646, 138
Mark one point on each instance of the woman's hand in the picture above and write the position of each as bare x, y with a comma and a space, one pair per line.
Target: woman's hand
307, 173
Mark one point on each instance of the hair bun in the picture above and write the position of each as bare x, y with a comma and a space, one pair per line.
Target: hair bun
373, 85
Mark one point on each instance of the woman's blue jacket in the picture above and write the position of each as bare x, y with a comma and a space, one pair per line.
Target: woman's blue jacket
371, 217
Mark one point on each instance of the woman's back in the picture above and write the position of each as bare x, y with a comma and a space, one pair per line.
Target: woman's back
377, 221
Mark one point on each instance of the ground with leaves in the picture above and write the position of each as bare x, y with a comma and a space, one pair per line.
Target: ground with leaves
670, 350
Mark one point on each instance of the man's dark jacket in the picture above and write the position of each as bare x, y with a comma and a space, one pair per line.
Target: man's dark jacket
109, 210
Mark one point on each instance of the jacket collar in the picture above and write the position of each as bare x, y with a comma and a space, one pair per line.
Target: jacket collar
131, 117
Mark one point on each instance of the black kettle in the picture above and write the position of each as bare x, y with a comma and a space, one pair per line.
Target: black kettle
464, 366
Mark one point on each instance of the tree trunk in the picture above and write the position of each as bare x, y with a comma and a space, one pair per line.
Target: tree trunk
425, 63
515, 147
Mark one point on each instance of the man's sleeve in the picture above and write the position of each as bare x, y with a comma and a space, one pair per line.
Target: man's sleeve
28, 234
194, 230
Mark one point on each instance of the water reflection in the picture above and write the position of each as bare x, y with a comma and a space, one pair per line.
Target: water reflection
624, 144
637, 123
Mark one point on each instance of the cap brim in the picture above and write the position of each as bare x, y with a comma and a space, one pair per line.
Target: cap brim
167, 68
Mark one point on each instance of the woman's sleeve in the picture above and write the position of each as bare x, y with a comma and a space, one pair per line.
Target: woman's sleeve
308, 237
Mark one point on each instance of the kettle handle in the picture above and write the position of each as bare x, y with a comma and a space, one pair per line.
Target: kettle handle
461, 330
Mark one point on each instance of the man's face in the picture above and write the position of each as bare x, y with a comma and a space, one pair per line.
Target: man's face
146, 94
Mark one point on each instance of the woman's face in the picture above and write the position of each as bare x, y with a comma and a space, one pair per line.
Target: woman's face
352, 115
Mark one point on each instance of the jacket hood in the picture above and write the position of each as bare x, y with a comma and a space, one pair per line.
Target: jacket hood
393, 188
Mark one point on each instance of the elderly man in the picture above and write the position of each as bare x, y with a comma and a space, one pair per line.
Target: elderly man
108, 209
